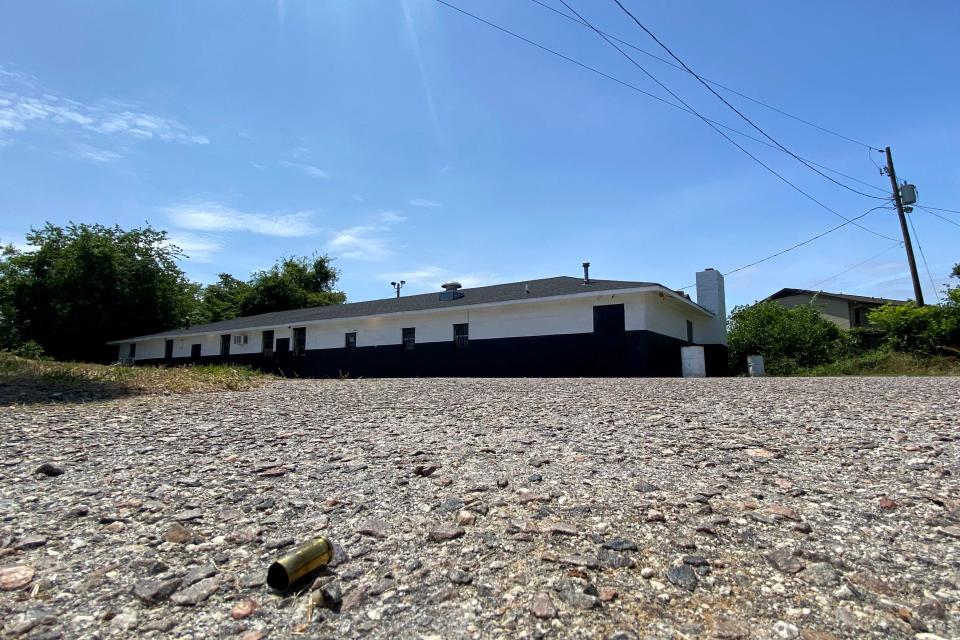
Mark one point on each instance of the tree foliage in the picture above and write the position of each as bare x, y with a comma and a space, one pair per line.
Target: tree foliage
924, 331
82, 285
788, 339
292, 283
222, 300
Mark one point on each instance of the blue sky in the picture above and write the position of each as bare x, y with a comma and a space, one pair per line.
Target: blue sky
412, 142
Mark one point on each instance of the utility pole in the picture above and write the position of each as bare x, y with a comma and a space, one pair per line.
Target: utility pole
917, 291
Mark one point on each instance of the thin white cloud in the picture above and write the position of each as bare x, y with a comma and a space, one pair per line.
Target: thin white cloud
431, 277
423, 202
24, 105
363, 242
94, 154
210, 216
391, 217
309, 169
196, 247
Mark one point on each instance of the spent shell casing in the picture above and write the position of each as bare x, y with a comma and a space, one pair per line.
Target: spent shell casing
305, 559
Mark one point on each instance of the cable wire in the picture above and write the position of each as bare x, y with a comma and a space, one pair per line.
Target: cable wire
733, 108
633, 87
714, 82
916, 237
859, 264
927, 208
800, 244
937, 215
725, 136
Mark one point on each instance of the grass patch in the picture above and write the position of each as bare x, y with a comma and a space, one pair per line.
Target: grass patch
29, 380
887, 363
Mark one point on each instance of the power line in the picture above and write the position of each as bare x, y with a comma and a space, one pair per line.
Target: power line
733, 108
859, 264
927, 208
714, 82
916, 237
937, 215
800, 244
712, 126
633, 87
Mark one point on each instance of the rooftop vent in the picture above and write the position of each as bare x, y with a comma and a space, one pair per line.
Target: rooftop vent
586, 273
451, 291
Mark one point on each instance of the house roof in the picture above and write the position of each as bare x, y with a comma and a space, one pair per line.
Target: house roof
784, 293
527, 290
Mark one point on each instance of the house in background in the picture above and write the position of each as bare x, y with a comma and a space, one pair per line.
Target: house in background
844, 310
561, 326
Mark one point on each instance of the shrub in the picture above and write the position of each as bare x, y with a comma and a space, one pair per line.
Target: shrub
788, 339
926, 331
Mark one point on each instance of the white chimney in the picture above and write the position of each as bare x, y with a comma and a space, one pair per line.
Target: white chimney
711, 296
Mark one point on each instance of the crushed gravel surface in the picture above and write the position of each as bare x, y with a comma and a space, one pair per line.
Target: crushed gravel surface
719, 508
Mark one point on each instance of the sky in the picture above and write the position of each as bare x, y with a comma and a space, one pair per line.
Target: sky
409, 141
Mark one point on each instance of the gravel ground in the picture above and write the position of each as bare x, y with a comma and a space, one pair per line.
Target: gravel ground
724, 508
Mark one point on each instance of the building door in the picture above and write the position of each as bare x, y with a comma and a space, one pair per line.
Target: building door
195, 351
283, 345
225, 344
168, 350
267, 339
609, 340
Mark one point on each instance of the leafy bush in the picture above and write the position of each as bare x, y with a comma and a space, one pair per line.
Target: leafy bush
926, 331
29, 350
788, 339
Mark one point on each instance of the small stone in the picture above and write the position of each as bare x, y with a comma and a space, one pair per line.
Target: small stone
608, 594
727, 629
785, 630
154, 591
243, 609
803, 527
278, 543
614, 560
196, 575
696, 561
820, 574
115, 527
466, 518
445, 532
619, 544
374, 528
457, 576
655, 516
50, 470
195, 594
425, 470
332, 593
682, 576
563, 529
15, 577
27, 621
188, 515
888, 504
177, 533
79, 511
761, 453
646, 573
539, 462
784, 560
542, 607
782, 511
253, 580
577, 560
30, 542
502, 483
450, 504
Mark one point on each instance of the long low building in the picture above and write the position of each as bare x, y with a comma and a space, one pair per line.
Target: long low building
561, 326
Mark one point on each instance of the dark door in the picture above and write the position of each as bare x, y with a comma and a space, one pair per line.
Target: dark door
225, 344
268, 342
168, 350
195, 351
283, 345
609, 340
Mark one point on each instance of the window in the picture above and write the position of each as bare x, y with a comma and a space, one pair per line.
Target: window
689, 331
240, 339
168, 350
267, 340
461, 335
133, 350
225, 344
409, 338
299, 341
860, 317
350, 340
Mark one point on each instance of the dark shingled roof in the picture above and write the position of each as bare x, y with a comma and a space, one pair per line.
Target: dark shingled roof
543, 288
783, 293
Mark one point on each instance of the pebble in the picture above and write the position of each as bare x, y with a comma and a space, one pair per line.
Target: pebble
563, 529
15, 577
620, 544
457, 576
445, 532
682, 576
152, 591
542, 607
375, 528
50, 470
197, 593
821, 574
466, 518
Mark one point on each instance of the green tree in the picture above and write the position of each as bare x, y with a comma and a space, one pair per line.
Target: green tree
223, 299
293, 283
82, 285
788, 339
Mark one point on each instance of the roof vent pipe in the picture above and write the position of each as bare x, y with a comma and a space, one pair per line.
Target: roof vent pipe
586, 273
453, 285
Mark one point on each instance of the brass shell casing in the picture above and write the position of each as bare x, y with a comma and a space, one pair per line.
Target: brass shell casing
305, 559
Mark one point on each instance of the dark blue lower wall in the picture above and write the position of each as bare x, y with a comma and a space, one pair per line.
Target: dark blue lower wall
640, 353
